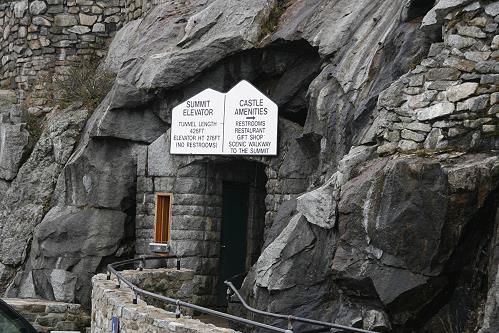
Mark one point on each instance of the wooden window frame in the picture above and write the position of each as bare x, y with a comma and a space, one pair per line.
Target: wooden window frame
159, 211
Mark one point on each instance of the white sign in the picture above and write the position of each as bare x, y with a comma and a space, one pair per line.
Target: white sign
250, 126
241, 122
197, 124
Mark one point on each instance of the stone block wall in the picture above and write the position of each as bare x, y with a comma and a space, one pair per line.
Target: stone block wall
40, 39
450, 100
177, 284
108, 301
48, 316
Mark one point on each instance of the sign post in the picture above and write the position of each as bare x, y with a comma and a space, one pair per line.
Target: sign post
241, 122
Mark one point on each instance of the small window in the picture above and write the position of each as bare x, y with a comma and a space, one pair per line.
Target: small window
163, 217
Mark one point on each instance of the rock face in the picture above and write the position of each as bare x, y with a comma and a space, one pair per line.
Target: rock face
380, 209
13, 144
29, 195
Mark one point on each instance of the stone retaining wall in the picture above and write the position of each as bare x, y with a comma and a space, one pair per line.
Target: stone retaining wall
40, 39
450, 100
108, 301
48, 316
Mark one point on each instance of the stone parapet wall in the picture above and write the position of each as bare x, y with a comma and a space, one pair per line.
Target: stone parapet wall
108, 301
48, 316
177, 284
40, 39
450, 100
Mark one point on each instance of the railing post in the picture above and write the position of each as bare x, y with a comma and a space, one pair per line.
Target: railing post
177, 311
290, 324
118, 285
135, 297
142, 263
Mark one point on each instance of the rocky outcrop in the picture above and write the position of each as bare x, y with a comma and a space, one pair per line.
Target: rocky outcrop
29, 196
368, 258
90, 200
403, 225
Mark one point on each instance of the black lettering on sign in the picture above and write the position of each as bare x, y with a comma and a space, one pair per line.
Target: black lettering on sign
251, 102
251, 123
242, 130
259, 150
251, 112
237, 143
197, 144
259, 144
197, 112
207, 123
184, 137
198, 104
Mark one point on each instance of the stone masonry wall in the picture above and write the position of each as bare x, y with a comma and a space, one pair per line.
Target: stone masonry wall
108, 301
48, 316
450, 100
40, 39
177, 284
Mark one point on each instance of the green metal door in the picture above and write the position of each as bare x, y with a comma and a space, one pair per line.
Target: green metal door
234, 233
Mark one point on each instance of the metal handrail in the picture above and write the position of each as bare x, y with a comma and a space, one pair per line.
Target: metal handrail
138, 291
111, 268
291, 318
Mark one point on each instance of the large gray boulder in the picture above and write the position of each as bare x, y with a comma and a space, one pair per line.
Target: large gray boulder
401, 230
69, 246
163, 59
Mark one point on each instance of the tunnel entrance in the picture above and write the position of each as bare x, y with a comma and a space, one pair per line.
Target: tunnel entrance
242, 221
233, 233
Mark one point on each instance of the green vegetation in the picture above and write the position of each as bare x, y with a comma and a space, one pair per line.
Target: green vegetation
269, 26
34, 125
83, 83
